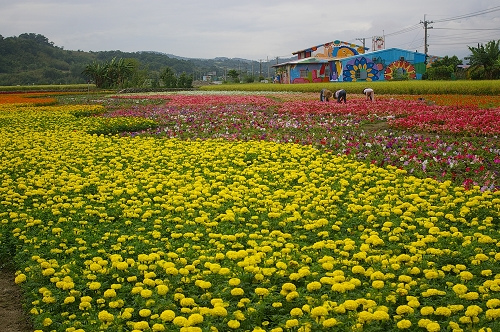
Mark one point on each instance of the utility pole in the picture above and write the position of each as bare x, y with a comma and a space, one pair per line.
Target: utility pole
426, 46
267, 66
363, 40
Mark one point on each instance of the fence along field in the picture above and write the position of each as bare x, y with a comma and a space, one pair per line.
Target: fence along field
148, 230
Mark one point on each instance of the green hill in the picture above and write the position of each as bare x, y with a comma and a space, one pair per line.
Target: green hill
32, 59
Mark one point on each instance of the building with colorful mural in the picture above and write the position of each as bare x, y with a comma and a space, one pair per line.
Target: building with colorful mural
342, 62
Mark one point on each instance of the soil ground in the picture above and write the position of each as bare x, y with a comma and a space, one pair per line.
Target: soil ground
13, 318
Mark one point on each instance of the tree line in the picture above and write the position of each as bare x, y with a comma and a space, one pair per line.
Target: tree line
125, 73
32, 59
483, 63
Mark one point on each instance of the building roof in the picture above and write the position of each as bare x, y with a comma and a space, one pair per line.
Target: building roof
304, 61
335, 42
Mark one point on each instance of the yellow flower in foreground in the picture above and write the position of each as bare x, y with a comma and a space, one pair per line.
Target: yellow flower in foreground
329, 322
105, 316
319, 312
47, 321
403, 324
291, 323
167, 315
20, 278
233, 323
158, 327
261, 291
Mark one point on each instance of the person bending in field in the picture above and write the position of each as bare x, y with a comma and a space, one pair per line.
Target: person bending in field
341, 96
325, 95
369, 93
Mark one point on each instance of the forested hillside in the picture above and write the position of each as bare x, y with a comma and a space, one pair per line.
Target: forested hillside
32, 59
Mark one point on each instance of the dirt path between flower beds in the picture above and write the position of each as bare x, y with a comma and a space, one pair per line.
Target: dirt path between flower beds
12, 316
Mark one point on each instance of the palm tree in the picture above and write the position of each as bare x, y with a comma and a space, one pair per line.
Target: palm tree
97, 72
485, 58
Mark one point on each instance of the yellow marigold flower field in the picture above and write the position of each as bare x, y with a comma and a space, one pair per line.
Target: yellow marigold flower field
140, 233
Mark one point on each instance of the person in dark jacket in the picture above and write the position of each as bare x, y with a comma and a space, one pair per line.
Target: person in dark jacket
341, 96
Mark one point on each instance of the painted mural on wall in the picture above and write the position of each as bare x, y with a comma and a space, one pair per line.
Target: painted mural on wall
337, 49
312, 73
390, 65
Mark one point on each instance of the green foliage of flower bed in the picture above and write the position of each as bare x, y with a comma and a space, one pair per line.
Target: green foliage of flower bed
491, 87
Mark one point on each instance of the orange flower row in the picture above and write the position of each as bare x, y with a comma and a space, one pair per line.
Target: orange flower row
28, 98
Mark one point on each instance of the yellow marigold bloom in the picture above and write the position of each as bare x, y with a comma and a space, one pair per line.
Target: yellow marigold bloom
144, 312
261, 291
404, 309
167, 315
20, 278
493, 303
239, 315
365, 317
158, 327
233, 323
180, 321
195, 319
162, 289
94, 285
121, 265
296, 312
380, 315
378, 284
237, 291
433, 327
358, 269
313, 286
109, 293
141, 325
442, 311
291, 323
47, 321
146, 293
69, 299
492, 314
460, 289
466, 275
404, 324
351, 304
470, 296
105, 316
187, 302
219, 311
234, 281
319, 311
473, 310
330, 322
288, 287
427, 310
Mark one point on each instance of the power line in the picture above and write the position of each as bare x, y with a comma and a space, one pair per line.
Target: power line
481, 12
479, 29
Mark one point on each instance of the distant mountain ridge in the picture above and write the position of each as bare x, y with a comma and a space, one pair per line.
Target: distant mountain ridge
32, 59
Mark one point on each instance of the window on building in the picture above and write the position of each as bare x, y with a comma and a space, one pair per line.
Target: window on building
361, 74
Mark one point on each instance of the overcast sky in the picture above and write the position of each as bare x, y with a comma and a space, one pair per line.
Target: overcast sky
252, 29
